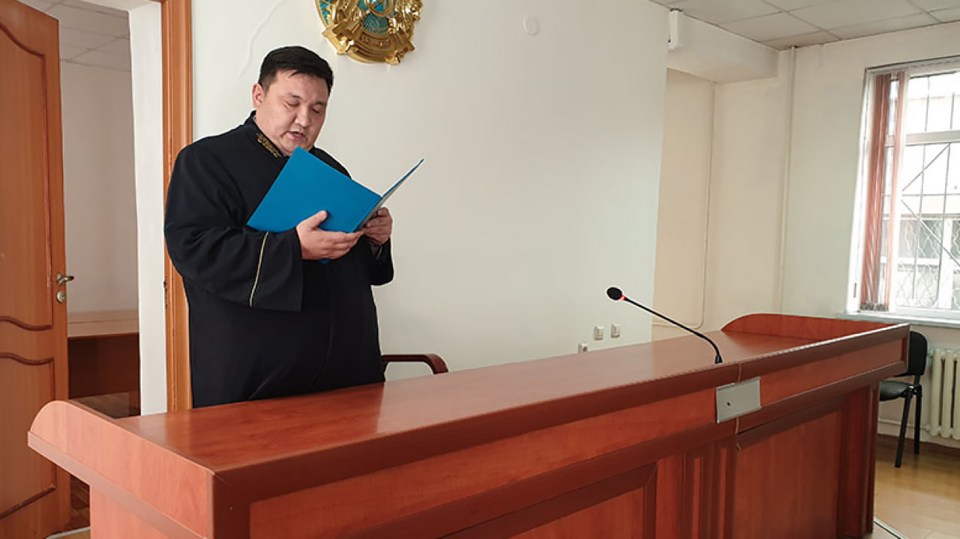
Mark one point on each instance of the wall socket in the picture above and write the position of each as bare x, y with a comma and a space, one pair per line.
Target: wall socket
614, 331
583, 347
598, 333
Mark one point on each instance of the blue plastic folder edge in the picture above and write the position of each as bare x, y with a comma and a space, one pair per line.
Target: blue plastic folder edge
307, 185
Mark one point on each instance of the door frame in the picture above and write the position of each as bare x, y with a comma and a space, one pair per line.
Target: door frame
177, 52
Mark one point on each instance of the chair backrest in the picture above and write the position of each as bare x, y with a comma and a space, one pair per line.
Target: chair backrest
917, 358
435, 362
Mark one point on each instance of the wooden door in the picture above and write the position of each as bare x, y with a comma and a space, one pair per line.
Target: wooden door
34, 494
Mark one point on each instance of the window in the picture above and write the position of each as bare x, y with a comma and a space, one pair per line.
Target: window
910, 254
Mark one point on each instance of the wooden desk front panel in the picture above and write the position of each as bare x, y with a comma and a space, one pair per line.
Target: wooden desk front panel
819, 375
108, 518
808, 474
159, 487
804, 475
513, 480
622, 506
787, 484
550, 447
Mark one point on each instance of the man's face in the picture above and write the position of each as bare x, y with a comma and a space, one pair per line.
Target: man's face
291, 110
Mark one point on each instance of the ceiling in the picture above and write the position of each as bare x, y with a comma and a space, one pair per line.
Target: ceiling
782, 24
89, 34
99, 36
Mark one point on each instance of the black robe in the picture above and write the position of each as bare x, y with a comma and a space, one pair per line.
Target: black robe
264, 322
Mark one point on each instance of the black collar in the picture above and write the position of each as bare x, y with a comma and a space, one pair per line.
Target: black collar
262, 139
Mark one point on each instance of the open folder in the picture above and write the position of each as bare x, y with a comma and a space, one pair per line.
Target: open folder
307, 185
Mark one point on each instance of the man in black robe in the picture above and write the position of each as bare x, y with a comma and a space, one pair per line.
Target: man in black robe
267, 317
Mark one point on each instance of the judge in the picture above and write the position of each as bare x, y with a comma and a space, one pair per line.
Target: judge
267, 318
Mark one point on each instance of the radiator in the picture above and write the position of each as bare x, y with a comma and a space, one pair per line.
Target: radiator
944, 393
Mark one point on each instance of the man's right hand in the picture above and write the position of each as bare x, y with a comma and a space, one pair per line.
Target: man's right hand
316, 244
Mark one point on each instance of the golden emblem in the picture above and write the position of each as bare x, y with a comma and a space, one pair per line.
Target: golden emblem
370, 30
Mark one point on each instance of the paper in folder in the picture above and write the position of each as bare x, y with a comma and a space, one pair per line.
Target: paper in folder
307, 185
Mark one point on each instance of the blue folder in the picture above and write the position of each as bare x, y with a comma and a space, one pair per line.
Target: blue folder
307, 185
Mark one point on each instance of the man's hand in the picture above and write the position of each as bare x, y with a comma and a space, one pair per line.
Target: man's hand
379, 227
316, 244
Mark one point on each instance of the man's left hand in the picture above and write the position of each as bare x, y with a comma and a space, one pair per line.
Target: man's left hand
379, 227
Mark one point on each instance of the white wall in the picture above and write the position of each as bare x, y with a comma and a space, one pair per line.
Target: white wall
147, 93
825, 157
148, 104
712, 53
542, 162
98, 183
721, 198
528, 140
750, 138
823, 170
765, 254
685, 177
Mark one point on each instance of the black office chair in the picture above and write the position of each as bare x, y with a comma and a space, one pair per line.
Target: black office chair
893, 389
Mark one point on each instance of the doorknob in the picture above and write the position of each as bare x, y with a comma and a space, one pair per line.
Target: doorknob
62, 280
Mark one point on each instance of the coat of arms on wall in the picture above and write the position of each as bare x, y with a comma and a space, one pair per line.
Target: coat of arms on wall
370, 30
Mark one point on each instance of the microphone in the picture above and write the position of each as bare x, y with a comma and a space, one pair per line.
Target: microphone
616, 294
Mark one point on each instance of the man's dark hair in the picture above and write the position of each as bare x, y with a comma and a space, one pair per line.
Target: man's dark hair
297, 59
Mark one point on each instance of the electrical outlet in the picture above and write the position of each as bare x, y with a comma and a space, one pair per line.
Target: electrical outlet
598, 333
583, 347
614, 331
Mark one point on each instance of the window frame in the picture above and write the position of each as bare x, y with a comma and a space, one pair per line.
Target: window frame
862, 238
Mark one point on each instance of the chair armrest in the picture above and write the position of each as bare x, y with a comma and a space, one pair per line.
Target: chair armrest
436, 364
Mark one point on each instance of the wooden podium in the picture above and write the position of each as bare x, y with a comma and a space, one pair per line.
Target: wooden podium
622, 442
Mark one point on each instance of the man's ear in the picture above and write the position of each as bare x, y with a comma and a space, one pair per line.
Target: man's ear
258, 94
